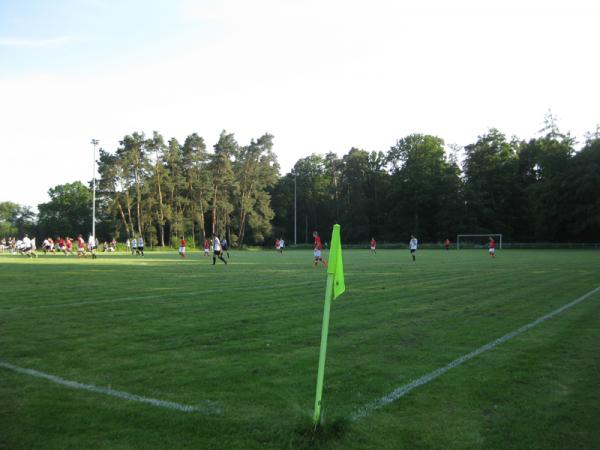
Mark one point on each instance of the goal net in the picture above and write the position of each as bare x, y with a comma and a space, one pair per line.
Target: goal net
477, 240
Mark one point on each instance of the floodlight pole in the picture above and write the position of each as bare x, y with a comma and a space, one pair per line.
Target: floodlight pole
295, 212
94, 142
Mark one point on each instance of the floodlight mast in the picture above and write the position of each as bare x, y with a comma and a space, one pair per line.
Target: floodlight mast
295, 212
94, 142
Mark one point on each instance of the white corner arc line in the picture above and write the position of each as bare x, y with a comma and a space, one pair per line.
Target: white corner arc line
405, 389
210, 408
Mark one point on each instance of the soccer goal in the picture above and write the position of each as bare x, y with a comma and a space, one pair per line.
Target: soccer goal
476, 240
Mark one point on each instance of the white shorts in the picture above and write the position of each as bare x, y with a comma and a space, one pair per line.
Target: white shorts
372, 248
492, 250
181, 249
317, 253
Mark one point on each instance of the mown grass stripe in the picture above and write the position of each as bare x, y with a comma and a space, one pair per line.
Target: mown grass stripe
405, 389
163, 296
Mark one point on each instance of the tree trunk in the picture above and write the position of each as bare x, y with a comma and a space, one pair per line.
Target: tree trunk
123, 218
214, 212
242, 230
161, 215
241, 219
128, 199
173, 230
138, 203
244, 214
202, 228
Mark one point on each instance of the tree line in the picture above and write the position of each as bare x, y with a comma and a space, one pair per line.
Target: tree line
537, 190
541, 189
164, 190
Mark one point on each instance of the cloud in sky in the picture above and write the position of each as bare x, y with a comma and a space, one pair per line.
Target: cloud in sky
319, 76
44, 42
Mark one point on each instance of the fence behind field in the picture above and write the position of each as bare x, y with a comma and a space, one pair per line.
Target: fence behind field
463, 246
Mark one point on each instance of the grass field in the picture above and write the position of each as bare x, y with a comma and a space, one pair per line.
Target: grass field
240, 344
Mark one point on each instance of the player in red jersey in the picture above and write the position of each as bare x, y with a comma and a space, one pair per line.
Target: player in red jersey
61, 245
318, 247
373, 245
492, 247
182, 247
80, 246
69, 246
206, 247
447, 244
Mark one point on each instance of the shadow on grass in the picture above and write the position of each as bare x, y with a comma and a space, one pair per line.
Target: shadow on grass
307, 436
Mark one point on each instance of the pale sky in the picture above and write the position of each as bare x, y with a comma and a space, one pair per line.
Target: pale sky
318, 75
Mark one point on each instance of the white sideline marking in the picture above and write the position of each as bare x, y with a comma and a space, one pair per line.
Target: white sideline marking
405, 389
211, 408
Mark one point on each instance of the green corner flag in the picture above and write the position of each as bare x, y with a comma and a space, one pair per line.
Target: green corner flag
336, 264
336, 287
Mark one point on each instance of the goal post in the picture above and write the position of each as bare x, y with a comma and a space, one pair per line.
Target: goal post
480, 239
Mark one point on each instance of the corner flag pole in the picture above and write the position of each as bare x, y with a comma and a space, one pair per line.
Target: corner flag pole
335, 287
323, 352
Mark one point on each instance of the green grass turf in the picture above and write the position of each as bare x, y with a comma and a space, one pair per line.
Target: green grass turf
246, 337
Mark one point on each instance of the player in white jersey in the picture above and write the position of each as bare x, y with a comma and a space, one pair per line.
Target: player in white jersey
92, 246
217, 250
19, 247
182, 247
413, 247
29, 246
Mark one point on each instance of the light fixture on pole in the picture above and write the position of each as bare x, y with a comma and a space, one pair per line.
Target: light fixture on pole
94, 142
